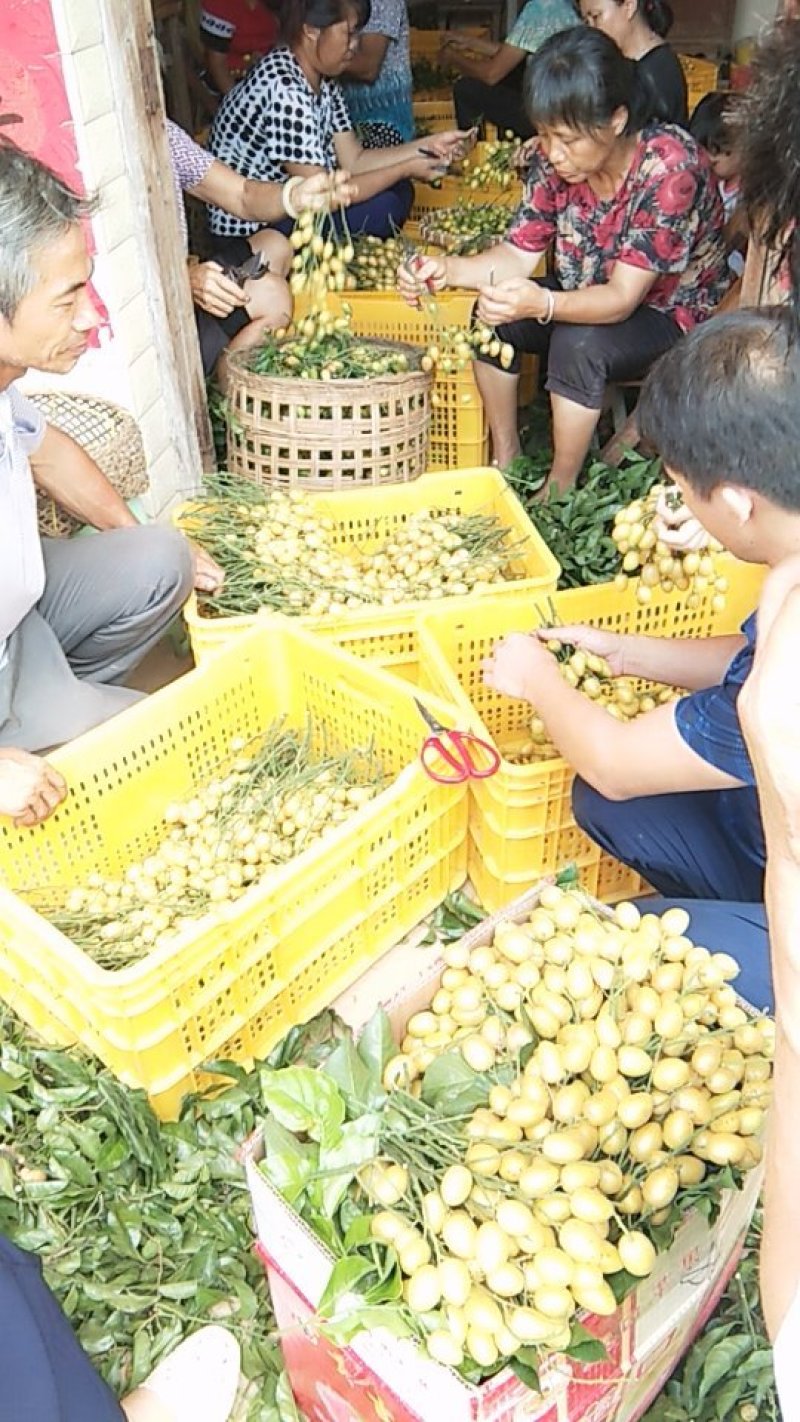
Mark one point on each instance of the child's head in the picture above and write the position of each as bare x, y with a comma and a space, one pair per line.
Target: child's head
713, 126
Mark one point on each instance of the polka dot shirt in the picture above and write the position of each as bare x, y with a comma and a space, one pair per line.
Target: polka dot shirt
271, 118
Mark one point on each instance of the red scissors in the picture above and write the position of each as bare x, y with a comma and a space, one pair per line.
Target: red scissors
466, 756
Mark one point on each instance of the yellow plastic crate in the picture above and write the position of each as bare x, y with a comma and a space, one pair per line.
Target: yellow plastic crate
437, 115
236, 981
453, 190
702, 77
521, 821
458, 431
365, 517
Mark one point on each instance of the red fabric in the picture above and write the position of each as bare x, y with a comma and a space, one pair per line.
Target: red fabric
32, 89
254, 35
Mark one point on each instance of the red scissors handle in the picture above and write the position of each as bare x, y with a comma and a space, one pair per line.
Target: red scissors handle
467, 756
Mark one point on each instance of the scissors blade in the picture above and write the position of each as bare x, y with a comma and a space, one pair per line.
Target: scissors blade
428, 717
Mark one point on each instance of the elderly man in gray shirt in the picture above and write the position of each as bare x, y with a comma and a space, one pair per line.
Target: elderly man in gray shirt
75, 615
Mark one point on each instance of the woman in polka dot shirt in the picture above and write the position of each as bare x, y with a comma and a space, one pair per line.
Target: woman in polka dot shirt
289, 116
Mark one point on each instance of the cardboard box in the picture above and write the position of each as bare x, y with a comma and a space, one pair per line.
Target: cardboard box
379, 1378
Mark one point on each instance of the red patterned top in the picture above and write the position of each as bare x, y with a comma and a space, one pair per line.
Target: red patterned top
666, 217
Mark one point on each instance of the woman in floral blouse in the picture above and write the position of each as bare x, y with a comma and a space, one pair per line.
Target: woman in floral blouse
630, 213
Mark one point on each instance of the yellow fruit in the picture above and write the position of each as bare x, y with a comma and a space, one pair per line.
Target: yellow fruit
660, 1187
637, 1253
580, 1241
459, 1233
677, 1129
553, 1302
644, 1143
444, 1348
492, 1246
634, 1062
591, 1205
530, 1326
423, 1290
540, 1179
455, 1186
506, 1281
635, 1110
514, 1217
455, 1281
481, 1347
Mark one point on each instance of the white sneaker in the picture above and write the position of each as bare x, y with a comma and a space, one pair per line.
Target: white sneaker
199, 1380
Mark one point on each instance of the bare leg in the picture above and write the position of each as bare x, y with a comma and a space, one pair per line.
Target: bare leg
573, 427
249, 336
498, 389
275, 248
143, 1406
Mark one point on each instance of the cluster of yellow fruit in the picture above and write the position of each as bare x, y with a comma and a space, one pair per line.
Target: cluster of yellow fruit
620, 696
495, 165
620, 1068
455, 348
319, 263
649, 559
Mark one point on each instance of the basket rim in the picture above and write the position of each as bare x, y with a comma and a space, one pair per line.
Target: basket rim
238, 363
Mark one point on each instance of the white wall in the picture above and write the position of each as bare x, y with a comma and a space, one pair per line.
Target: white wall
129, 368
752, 16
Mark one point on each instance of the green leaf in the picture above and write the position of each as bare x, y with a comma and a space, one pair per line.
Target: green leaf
187, 1289
305, 1101
723, 1358
527, 1372
584, 1347
454, 1088
352, 1076
7, 1178
359, 1231
284, 1400
622, 1284
338, 1164
287, 1163
392, 1317
341, 1294
376, 1045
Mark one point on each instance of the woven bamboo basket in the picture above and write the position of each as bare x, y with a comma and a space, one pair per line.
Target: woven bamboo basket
337, 434
108, 433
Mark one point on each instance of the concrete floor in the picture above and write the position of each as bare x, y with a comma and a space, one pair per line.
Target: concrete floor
161, 666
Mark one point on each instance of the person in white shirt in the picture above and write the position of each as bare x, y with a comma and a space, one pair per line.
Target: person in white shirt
76, 615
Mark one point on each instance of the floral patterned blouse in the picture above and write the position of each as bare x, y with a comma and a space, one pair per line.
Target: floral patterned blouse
667, 217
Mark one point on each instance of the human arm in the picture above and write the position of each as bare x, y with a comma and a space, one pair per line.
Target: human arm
621, 760
422, 158
468, 273
263, 202
30, 788
63, 469
604, 305
219, 72
492, 68
365, 66
692, 663
769, 706
472, 44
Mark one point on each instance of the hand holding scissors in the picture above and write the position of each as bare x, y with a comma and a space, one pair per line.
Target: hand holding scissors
451, 757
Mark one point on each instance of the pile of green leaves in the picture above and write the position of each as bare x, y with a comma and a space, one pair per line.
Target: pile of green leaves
727, 1376
576, 525
143, 1227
